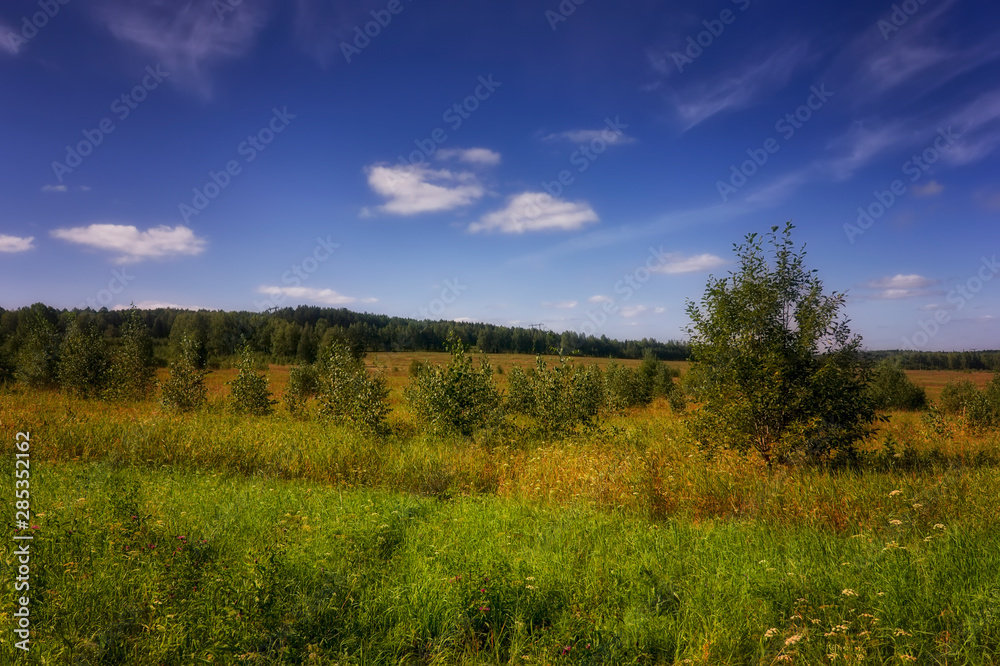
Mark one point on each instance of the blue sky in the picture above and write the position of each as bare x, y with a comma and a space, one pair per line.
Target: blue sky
585, 165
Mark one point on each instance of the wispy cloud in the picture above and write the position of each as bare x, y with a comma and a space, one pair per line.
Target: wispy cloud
933, 188
900, 286
187, 38
159, 305
479, 156
588, 135
702, 101
411, 190
132, 245
600, 298
561, 305
312, 295
678, 263
536, 211
53, 188
16, 243
7, 45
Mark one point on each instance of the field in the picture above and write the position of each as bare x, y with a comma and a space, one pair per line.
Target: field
215, 538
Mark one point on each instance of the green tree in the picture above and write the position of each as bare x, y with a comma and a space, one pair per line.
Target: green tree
892, 389
131, 375
775, 367
348, 393
82, 360
250, 393
37, 359
184, 389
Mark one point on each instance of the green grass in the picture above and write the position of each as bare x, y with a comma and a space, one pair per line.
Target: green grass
304, 543
162, 566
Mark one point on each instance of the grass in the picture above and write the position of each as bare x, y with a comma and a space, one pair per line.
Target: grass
211, 538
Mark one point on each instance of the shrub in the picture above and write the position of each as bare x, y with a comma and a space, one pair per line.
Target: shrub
348, 393
131, 375
458, 397
625, 388
956, 397
37, 359
775, 366
303, 383
980, 408
184, 389
891, 388
82, 361
558, 398
250, 393
416, 367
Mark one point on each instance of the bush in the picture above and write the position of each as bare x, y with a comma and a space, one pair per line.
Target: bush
37, 359
891, 388
184, 389
416, 367
458, 397
82, 361
348, 393
956, 397
131, 375
624, 388
250, 393
980, 408
558, 398
303, 383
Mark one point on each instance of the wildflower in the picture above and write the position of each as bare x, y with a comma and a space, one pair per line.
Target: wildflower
849, 593
895, 492
938, 526
907, 657
895, 522
902, 632
770, 632
918, 505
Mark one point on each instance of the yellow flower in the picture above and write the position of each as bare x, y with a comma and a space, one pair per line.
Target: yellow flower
770, 632
895, 492
792, 640
895, 522
849, 593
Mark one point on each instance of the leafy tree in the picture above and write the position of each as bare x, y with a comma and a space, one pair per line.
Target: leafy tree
348, 393
37, 359
891, 388
184, 389
559, 398
776, 369
131, 374
459, 397
82, 360
303, 383
249, 393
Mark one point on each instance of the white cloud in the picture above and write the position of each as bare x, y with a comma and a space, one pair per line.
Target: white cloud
418, 189
588, 135
132, 245
929, 190
600, 298
482, 156
629, 311
678, 263
53, 188
324, 296
7, 45
185, 38
15, 243
900, 286
659, 310
536, 211
561, 305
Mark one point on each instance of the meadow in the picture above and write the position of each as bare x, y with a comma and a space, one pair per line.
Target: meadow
210, 537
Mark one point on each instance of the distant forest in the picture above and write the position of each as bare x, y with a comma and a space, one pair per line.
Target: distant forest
291, 335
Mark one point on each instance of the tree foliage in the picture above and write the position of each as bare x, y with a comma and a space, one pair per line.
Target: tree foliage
348, 393
249, 393
775, 368
82, 360
131, 375
184, 389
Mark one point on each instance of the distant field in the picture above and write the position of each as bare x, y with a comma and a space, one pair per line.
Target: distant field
934, 380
